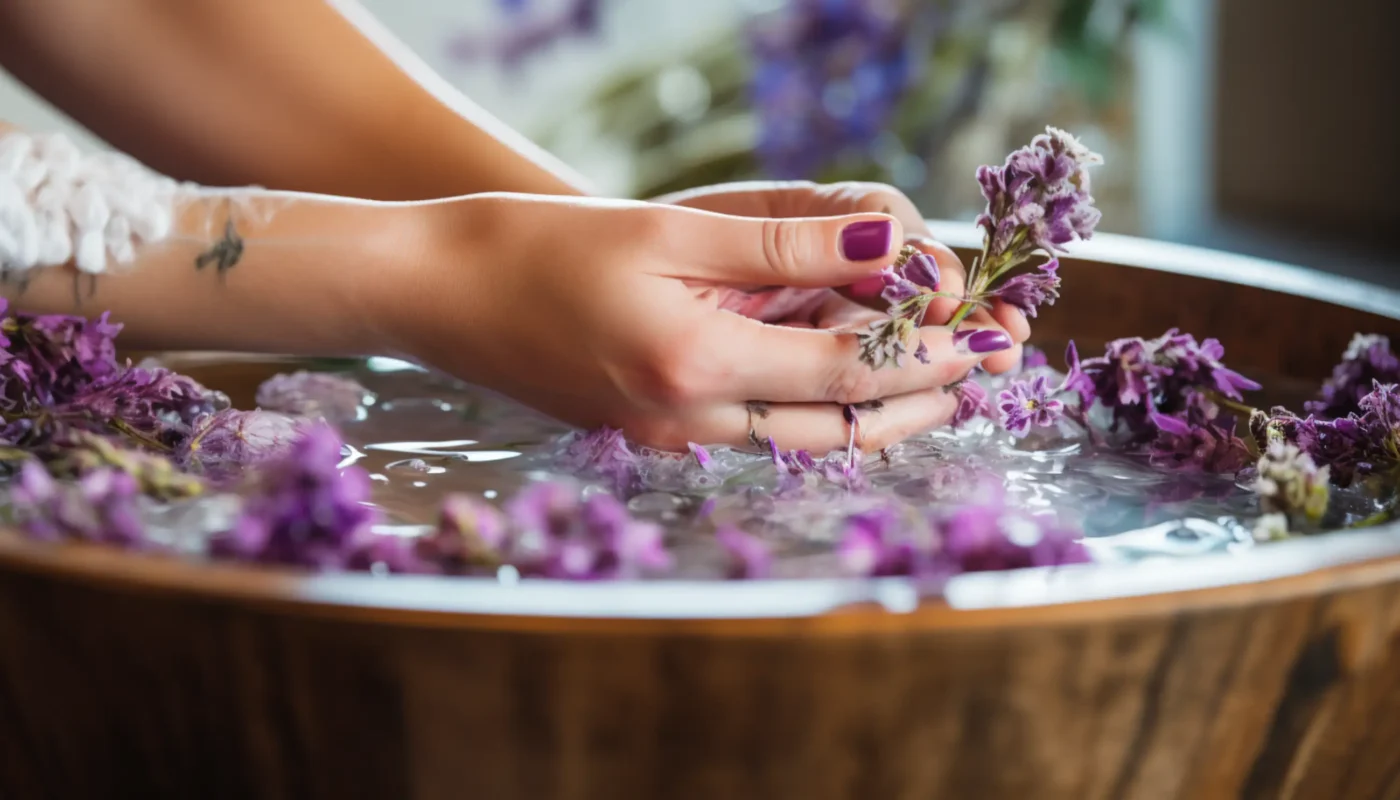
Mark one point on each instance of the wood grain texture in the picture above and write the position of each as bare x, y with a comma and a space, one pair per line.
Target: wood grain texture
126, 676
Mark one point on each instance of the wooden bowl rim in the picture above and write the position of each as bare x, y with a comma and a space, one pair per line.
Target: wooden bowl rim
1033, 597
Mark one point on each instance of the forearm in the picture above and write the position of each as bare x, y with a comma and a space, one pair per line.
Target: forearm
244, 270
291, 94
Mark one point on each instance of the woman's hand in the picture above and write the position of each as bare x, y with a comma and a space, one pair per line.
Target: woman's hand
607, 312
805, 199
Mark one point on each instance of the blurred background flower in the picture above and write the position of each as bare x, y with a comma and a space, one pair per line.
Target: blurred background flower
916, 93
1257, 126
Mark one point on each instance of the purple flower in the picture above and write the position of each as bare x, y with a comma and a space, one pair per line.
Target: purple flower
1196, 444
1038, 199
922, 270
1030, 291
50, 358
1367, 360
1343, 445
828, 76
1027, 404
794, 462
102, 506
558, 533
749, 556
702, 457
1035, 358
303, 509
222, 444
470, 534
897, 288
334, 398
156, 402
1136, 377
604, 454
1356, 445
989, 536
972, 403
883, 542
1075, 379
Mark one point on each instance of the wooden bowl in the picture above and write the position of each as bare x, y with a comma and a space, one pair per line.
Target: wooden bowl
1272, 674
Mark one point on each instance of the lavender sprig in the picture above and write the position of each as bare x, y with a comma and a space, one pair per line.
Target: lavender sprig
1038, 202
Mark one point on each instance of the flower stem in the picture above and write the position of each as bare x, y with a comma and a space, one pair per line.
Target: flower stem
137, 436
1234, 405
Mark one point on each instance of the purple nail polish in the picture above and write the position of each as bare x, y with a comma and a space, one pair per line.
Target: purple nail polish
981, 341
862, 241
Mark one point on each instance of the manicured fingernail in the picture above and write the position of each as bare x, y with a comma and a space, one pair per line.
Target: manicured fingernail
980, 342
862, 241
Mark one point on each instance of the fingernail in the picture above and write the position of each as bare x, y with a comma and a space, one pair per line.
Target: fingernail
981, 341
862, 241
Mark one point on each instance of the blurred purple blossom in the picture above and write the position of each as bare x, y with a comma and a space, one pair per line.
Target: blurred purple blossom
302, 509
749, 556
604, 454
1367, 360
557, 532
334, 398
226, 442
102, 506
827, 77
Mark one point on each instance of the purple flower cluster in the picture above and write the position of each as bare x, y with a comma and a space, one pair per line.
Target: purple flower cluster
548, 530
302, 509
102, 506
1362, 443
1167, 392
750, 558
1031, 402
841, 469
603, 454
1367, 361
1031, 290
981, 536
1197, 440
334, 398
60, 385
46, 360
1038, 200
828, 76
223, 444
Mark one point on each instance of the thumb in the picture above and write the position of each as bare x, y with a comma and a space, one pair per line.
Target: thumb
810, 252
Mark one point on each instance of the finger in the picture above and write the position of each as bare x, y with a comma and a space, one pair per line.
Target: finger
789, 365
1012, 321
859, 196
821, 427
1005, 361
808, 252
